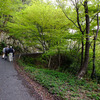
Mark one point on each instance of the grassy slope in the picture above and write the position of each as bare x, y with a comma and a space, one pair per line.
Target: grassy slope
64, 85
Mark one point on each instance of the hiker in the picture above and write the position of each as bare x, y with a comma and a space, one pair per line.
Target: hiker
3, 55
6, 52
11, 53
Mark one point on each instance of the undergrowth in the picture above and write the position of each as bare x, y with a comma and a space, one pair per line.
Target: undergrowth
64, 85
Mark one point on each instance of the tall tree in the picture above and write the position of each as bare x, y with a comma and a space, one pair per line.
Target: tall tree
93, 75
41, 23
82, 22
87, 46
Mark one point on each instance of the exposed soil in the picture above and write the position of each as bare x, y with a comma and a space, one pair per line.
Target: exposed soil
36, 89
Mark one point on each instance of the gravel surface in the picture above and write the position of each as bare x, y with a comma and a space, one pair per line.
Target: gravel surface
11, 85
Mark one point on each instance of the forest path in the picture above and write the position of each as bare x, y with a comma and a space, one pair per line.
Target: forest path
12, 86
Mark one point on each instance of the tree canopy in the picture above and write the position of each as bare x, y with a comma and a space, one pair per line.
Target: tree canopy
61, 26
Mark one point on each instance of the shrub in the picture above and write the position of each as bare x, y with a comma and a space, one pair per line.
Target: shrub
2, 45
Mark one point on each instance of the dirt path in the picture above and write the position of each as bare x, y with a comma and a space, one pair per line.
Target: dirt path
11, 84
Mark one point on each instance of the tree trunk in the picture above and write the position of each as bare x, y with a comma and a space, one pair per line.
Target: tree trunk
82, 52
80, 27
59, 58
49, 63
93, 75
84, 66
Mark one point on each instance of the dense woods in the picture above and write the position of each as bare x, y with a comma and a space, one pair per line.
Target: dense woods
66, 31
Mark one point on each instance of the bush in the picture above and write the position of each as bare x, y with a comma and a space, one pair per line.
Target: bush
2, 45
64, 61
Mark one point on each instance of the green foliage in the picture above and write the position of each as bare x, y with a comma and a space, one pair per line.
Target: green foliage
59, 83
93, 96
28, 60
40, 22
2, 45
69, 60
18, 49
7, 9
33, 61
44, 26
65, 57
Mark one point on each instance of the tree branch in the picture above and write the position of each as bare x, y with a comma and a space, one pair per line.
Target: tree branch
77, 10
66, 14
73, 3
93, 18
70, 19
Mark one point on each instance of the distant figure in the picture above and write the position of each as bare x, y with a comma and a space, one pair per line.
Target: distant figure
11, 53
6, 52
3, 55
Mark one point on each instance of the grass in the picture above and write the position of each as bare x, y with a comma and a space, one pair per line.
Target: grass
64, 85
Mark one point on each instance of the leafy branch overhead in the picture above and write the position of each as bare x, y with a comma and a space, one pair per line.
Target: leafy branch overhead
54, 26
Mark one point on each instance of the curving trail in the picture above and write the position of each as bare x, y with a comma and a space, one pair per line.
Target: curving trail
11, 85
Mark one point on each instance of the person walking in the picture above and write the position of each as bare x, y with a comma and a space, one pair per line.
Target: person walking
3, 55
6, 52
11, 52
